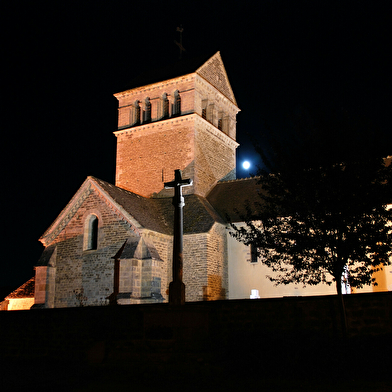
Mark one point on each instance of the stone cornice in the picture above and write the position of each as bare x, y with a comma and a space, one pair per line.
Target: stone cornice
156, 124
154, 98
212, 129
154, 86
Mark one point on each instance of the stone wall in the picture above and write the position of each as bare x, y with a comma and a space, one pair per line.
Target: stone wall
75, 276
195, 266
18, 304
215, 157
206, 94
184, 85
205, 265
217, 263
279, 344
148, 155
164, 246
84, 276
199, 140
73, 332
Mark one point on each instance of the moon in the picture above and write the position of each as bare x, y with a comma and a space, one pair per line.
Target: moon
246, 165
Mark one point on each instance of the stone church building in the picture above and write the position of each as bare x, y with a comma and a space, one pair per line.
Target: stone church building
116, 240
113, 243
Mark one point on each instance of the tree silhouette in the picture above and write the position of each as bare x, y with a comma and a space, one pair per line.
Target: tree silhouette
323, 209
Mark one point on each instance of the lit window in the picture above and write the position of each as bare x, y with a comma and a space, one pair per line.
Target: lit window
91, 233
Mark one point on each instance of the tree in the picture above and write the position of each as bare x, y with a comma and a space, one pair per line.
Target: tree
323, 210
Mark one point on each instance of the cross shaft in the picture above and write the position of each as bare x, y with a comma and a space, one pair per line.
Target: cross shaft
177, 287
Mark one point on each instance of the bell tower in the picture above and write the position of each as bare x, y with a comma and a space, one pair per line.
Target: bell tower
185, 122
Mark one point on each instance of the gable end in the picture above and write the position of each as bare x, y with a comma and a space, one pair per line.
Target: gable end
214, 72
90, 185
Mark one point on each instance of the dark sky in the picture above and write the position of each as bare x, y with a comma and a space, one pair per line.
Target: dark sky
63, 62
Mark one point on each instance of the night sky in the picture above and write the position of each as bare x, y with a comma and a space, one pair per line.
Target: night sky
63, 62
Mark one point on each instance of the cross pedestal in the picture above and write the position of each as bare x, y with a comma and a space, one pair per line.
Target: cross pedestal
177, 287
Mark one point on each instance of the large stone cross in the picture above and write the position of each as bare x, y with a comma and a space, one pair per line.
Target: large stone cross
177, 287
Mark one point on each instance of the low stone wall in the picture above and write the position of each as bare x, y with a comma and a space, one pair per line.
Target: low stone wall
73, 331
99, 333
267, 344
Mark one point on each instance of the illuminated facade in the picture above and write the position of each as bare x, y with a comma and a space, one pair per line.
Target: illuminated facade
20, 299
113, 243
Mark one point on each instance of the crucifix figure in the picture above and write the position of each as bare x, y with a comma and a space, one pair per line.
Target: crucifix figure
177, 287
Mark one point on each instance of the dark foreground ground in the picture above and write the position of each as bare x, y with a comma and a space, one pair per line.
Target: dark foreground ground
250, 365
286, 344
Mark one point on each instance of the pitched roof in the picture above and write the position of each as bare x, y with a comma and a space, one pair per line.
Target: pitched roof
199, 215
158, 213
24, 291
210, 67
229, 198
146, 211
215, 73
139, 248
170, 71
155, 214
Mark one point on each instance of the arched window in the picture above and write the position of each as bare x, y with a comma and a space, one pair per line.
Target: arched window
204, 104
147, 110
225, 124
210, 113
135, 113
164, 107
220, 120
176, 104
91, 233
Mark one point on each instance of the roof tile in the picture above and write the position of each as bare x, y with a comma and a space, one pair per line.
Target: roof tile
229, 198
24, 291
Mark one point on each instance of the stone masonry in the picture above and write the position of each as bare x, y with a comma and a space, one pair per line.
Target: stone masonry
113, 243
200, 142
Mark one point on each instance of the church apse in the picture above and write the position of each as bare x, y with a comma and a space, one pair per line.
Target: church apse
141, 272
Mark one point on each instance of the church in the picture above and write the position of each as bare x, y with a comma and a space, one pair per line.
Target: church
113, 243
117, 239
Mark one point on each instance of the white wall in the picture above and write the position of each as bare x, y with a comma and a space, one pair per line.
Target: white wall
20, 303
245, 276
